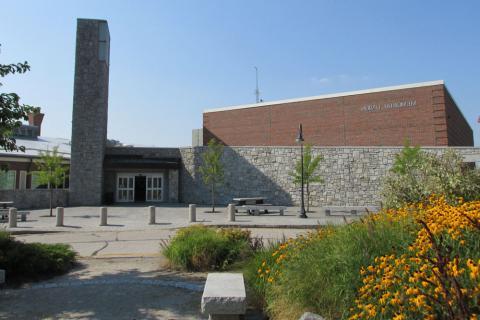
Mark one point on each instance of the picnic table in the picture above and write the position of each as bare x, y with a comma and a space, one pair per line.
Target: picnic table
4, 209
6, 204
255, 205
246, 201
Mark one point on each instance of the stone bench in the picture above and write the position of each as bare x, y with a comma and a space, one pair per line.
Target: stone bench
349, 210
255, 209
224, 296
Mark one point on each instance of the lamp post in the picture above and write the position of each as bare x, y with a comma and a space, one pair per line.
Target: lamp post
300, 140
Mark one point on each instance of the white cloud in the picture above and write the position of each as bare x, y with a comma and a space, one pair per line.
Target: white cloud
320, 80
342, 78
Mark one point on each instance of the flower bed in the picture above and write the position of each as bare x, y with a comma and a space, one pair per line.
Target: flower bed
420, 261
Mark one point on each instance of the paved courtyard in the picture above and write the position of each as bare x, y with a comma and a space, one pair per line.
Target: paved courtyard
128, 233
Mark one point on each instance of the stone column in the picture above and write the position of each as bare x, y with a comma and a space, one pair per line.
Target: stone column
90, 112
192, 209
12, 218
103, 216
231, 212
59, 216
2, 276
151, 210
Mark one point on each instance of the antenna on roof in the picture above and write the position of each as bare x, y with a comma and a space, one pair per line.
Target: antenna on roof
257, 92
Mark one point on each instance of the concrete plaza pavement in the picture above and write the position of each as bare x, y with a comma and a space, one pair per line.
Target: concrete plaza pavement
167, 217
128, 233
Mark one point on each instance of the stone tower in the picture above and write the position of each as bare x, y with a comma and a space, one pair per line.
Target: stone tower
90, 112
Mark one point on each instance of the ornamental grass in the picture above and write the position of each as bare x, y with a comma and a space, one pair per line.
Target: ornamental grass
417, 262
200, 248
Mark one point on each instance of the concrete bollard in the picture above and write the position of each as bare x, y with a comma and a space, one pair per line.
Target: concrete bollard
231, 212
103, 216
151, 209
192, 209
12, 218
59, 216
2, 276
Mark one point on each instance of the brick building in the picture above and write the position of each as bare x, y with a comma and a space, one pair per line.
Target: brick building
424, 113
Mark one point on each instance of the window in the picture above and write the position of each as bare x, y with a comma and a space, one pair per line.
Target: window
125, 188
154, 188
103, 42
8, 180
35, 183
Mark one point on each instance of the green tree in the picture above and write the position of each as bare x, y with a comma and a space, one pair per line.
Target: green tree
212, 167
310, 165
11, 111
408, 159
51, 171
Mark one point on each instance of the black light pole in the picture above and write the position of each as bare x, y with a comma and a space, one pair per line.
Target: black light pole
300, 140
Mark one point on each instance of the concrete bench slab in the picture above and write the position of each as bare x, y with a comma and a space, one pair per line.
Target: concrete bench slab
20, 214
255, 209
349, 210
224, 296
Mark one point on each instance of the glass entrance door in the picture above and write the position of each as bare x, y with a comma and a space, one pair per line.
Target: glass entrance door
154, 188
125, 188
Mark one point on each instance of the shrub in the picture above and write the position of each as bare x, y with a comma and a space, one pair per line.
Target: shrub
200, 248
33, 261
415, 175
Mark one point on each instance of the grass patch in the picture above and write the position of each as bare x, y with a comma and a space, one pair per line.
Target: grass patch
200, 248
33, 261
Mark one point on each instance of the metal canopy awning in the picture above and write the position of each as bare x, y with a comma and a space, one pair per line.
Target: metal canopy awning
140, 162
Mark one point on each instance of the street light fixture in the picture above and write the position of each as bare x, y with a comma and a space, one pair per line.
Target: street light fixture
300, 140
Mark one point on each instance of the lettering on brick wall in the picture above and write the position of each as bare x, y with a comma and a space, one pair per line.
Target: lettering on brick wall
389, 105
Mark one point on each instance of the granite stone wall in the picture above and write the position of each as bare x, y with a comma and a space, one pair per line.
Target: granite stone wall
35, 199
352, 175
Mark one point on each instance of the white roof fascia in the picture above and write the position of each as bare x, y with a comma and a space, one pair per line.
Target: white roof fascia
332, 95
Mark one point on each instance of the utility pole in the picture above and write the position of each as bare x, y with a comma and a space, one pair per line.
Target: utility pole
257, 91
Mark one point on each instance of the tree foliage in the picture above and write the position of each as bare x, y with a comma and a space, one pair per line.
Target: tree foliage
310, 165
416, 174
11, 111
212, 167
51, 171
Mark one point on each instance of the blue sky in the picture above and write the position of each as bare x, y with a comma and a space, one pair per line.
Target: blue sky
172, 59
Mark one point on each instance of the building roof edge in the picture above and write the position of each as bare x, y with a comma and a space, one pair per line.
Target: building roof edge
330, 95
